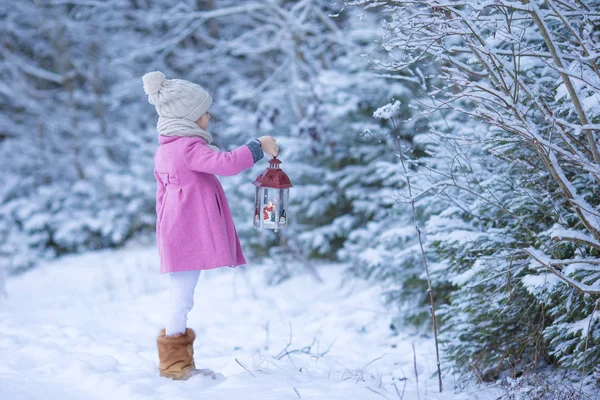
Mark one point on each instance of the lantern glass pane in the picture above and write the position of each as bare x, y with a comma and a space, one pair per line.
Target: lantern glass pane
283, 201
257, 207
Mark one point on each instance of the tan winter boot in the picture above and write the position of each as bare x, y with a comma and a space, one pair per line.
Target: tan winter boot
176, 355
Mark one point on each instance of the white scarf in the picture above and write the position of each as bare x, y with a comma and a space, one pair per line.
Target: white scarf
183, 127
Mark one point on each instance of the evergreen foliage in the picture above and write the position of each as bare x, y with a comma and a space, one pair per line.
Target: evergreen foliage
514, 172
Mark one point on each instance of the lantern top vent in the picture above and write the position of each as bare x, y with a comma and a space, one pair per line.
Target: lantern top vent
273, 176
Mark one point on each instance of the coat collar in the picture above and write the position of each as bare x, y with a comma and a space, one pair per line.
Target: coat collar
167, 139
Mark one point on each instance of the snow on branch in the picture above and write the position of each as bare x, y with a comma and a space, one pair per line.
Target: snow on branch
549, 264
573, 236
388, 111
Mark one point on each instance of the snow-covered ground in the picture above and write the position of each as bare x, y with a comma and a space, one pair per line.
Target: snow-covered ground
84, 327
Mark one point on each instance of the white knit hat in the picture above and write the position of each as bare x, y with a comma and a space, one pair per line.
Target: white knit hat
176, 98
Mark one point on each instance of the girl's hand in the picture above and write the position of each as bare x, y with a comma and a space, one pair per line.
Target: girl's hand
267, 144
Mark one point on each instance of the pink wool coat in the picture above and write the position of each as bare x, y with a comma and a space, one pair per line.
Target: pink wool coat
194, 228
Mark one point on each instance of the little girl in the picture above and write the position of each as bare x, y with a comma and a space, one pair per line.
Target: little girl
194, 228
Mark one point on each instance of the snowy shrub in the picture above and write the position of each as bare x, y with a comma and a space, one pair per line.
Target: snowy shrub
519, 177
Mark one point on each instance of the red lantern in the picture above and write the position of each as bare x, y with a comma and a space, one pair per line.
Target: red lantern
272, 196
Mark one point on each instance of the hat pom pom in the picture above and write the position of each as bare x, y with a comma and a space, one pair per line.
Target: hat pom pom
153, 81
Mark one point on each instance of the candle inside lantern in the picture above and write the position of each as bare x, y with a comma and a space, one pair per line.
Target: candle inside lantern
269, 212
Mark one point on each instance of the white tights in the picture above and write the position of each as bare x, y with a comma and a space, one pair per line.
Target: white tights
181, 300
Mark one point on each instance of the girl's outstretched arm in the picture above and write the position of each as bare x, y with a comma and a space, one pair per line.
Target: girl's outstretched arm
199, 157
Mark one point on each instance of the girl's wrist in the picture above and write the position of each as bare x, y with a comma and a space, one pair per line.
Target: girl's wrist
256, 149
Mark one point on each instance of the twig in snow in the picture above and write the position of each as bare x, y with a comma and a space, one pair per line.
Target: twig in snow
403, 387
423, 255
327, 349
416, 372
242, 365
267, 360
398, 392
297, 394
375, 391
365, 368
587, 338
305, 350
285, 352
